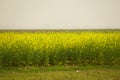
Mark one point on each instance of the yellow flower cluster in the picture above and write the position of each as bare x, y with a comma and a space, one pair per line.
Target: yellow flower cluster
53, 48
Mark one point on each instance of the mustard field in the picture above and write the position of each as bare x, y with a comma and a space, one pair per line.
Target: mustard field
59, 48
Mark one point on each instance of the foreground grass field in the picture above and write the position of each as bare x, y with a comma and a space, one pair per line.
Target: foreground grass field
59, 48
61, 73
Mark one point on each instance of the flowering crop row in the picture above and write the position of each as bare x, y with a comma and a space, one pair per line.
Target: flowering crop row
59, 48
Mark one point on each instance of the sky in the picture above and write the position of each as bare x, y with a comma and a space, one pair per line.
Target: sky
59, 14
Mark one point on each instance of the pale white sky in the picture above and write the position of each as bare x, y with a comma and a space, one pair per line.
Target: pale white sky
59, 14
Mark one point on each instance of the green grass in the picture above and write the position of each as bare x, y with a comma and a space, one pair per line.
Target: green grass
61, 73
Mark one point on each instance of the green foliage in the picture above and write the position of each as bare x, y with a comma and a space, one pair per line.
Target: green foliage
59, 48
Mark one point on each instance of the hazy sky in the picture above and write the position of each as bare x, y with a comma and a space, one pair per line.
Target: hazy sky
58, 14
